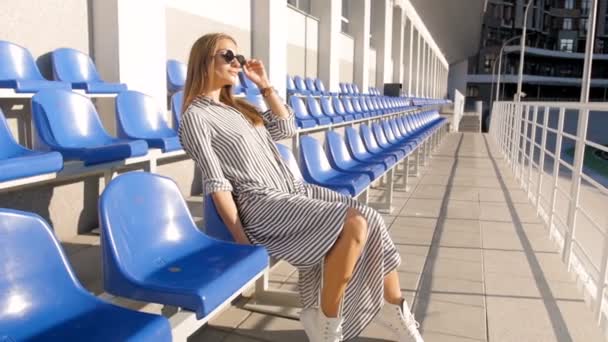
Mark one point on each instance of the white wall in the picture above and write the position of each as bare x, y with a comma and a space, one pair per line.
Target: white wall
303, 43
372, 68
347, 47
187, 20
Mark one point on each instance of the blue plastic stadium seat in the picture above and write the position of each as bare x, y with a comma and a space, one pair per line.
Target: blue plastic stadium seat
384, 142
310, 86
138, 117
18, 70
349, 108
317, 169
176, 76
301, 85
372, 145
291, 86
17, 161
152, 251
248, 86
303, 118
328, 110
257, 101
177, 101
290, 161
77, 68
321, 87
341, 159
42, 300
68, 123
339, 109
237, 88
314, 109
358, 151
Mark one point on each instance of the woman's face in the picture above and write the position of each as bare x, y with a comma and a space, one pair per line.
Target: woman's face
225, 73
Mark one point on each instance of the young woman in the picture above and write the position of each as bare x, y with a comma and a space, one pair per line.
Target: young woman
346, 260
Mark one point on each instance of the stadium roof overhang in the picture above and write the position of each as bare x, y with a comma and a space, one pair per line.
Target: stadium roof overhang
455, 25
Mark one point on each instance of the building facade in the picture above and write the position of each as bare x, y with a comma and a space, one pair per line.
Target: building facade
555, 45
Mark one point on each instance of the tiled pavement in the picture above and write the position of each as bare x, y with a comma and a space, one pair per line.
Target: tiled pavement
477, 263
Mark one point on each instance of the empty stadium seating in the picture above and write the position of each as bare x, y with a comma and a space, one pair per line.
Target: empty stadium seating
139, 118
42, 300
77, 68
176, 76
19, 72
152, 251
68, 123
16, 161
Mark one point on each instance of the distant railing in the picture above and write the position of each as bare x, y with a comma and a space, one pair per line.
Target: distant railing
567, 189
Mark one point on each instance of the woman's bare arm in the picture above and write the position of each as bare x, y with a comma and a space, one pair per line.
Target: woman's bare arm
226, 208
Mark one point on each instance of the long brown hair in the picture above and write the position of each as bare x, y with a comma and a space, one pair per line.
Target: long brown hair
200, 65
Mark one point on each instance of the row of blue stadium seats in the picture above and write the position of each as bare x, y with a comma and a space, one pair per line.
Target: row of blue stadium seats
312, 111
72, 69
140, 124
151, 251
130, 210
297, 86
69, 126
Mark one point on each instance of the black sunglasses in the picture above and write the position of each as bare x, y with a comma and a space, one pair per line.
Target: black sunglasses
229, 56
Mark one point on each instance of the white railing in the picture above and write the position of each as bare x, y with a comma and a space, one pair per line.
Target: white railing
569, 194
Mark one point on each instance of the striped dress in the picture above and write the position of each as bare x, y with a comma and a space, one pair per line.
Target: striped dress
295, 221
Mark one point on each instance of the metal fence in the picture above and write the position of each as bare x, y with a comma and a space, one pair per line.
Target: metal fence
549, 149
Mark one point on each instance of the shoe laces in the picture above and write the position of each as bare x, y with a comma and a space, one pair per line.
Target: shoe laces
330, 332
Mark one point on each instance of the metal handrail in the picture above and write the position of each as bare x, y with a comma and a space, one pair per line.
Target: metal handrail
514, 127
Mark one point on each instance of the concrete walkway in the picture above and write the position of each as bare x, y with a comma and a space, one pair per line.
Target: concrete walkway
478, 263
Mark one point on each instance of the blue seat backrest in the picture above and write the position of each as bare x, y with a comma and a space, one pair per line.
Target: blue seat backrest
73, 66
290, 84
299, 108
327, 106
338, 106
313, 106
17, 63
36, 276
299, 81
310, 84
176, 75
67, 119
257, 101
8, 145
314, 157
290, 161
138, 115
177, 101
145, 224
320, 85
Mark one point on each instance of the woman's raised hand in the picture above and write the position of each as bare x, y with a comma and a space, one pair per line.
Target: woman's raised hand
254, 69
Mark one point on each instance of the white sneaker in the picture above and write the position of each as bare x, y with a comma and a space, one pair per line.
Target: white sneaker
400, 321
320, 328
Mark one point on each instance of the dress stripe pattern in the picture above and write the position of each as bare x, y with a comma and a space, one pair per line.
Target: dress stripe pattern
296, 222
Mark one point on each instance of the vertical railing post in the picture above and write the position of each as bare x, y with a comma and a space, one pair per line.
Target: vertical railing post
531, 151
522, 144
541, 166
575, 185
557, 153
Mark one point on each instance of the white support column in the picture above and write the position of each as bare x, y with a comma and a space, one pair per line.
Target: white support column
269, 19
407, 56
129, 47
418, 64
381, 31
329, 13
360, 28
398, 44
